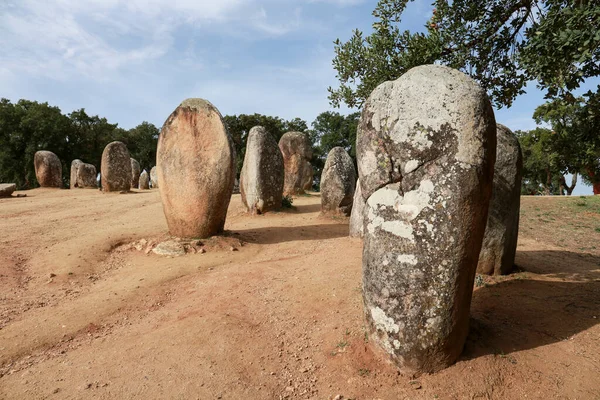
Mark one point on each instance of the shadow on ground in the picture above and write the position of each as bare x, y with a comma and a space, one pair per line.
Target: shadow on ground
281, 234
524, 313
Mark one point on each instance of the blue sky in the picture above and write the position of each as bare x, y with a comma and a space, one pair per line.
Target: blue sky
136, 60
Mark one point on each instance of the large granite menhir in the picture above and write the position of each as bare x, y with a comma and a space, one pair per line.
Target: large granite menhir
497, 256
338, 182
48, 169
426, 146
261, 179
115, 170
297, 151
82, 175
195, 164
153, 178
144, 180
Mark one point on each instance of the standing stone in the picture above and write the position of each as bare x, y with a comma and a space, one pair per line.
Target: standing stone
195, 163
309, 173
153, 178
236, 186
144, 180
115, 170
426, 147
135, 173
73, 175
497, 256
82, 175
338, 182
7, 189
48, 169
261, 179
357, 218
296, 150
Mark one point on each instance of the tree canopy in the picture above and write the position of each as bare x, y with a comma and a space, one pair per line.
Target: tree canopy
503, 44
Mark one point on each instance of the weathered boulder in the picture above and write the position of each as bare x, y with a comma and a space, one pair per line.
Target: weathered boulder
144, 180
153, 178
426, 148
296, 150
261, 179
82, 175
497, 256
338, 182
195, 164
115, 170
7, 189
357, 217
135, 173
48, 169
309, 173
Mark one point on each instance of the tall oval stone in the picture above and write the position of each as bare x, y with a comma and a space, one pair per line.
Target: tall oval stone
296, 150
144, 180
48, 169
82, 175
497, 256
136, 170
115, 170
261, 179
357, 217
195, 164
309, 174
426, 146
153, 178
338, 182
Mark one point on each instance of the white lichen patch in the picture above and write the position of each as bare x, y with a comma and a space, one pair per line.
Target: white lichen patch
410, 166
383, 322
385, 196
407, 259
398, 228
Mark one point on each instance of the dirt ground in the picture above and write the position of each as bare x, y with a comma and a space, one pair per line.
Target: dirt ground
84, 315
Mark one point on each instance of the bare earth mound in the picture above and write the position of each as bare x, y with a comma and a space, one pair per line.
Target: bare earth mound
84, 314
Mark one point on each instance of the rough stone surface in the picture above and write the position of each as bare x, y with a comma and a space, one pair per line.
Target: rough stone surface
309, 173
196, 169
169, 248
426, 148
153, 178
7, 189
115, 171
48, 169
144, 180
261, 179
82, 175
357, 217
338, 182
135, 173
296, 150
497, 256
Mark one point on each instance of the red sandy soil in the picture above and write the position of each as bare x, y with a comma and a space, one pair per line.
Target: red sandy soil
84, 317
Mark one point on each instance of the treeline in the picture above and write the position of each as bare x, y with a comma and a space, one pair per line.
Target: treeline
569, 145
29, 126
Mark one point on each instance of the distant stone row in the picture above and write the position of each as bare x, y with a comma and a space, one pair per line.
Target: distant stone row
119, 172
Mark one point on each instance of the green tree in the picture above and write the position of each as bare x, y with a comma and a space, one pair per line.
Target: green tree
575, 125
90, 135
25, 128
541, 163
503, 44
329, 130
141, 142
